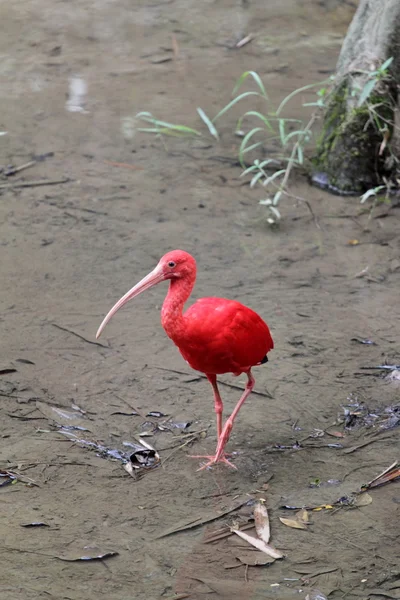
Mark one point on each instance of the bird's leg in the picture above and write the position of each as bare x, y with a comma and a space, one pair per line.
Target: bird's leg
217, 403
220, 455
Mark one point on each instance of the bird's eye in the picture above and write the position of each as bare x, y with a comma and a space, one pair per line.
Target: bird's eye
171, 264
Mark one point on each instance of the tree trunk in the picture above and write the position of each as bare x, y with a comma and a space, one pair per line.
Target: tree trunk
354, 151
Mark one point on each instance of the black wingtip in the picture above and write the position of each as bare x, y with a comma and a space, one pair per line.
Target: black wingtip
264, 360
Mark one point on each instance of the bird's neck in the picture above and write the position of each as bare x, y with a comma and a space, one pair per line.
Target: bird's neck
172, 310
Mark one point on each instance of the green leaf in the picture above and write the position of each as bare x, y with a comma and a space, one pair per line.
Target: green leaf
366, 92
295, 92
320, 103
275, 212
256, 177
386, 64
249, 170
267, 162
253, 113
244, 142
299, 133
232, 103
164, 126
256, 78
276, 198
249, 148
371, 192
207, 121
282, 131
273, 177
300, 155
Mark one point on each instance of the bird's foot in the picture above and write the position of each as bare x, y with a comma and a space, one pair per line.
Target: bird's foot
213, 460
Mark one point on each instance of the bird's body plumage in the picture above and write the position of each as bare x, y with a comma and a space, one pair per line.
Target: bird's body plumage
214, 335
223, 336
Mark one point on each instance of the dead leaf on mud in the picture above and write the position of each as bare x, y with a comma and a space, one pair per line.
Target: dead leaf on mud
155, 413
259, 544
302, 516
261, 521
7, 478
144, 457
392, 473
293, 523
364, 341
179, 425
87, 553
363, 500
7, 370
255, 559
13, 477
336, 434
65, 418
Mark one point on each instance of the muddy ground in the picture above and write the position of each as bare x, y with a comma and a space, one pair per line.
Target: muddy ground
69, 250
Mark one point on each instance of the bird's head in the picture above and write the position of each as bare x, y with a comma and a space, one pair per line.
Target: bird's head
177, 264
174, 265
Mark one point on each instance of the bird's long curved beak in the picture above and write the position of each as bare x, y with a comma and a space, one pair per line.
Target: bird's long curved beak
147, 282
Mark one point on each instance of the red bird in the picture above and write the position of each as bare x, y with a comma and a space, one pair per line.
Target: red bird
214, 335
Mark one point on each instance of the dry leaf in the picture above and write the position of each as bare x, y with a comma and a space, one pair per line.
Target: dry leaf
261, 521
322, 507
128, 467
336, 434
259, 544
293, 523
353, 242
302, 516
386, 138
363, 500
254, 559
244, 41
61, 416
87, 553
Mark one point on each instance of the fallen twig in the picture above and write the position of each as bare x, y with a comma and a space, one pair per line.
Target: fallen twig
392, 473
13, 170
227, 532
383, 367
367, 443
244, 41
259, 544
80, 336
207, 518
33, 183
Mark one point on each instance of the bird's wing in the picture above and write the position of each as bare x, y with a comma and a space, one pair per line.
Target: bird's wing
227, 333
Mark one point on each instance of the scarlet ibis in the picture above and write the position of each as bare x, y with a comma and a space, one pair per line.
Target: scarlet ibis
214, 335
